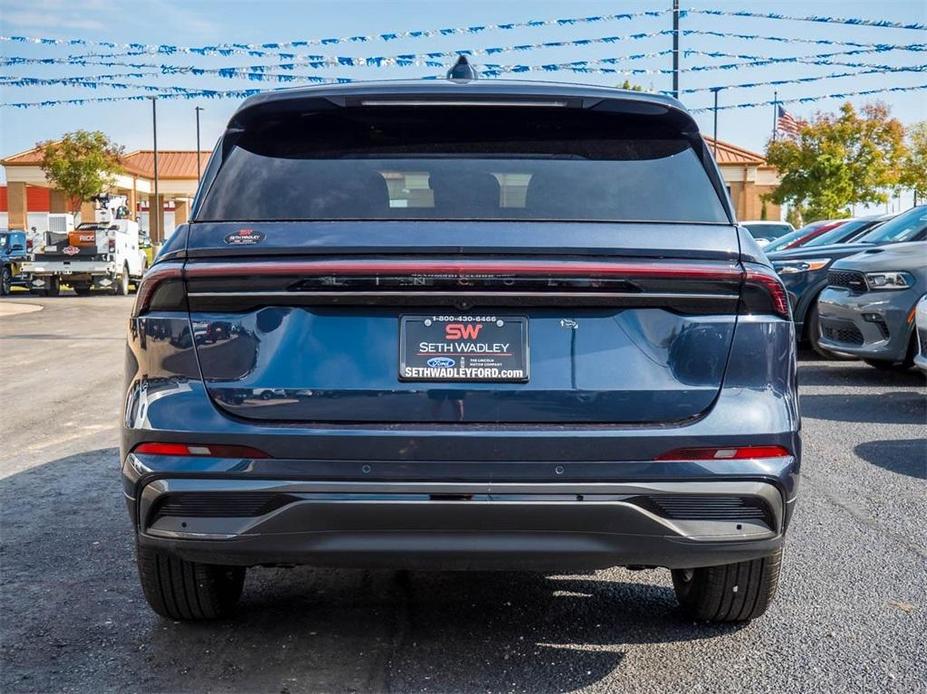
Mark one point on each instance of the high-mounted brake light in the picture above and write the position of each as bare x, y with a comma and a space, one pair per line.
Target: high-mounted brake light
198, 450
537, 103
729, 453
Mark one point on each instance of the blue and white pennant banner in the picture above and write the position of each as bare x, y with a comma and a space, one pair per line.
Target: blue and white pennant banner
821, 19
232, 48
810, 99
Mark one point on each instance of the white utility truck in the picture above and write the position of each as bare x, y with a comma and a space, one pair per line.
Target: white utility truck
105, 254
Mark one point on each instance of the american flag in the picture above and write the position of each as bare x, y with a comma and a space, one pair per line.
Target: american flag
787, 123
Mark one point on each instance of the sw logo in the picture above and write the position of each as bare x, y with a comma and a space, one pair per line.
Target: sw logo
462, 331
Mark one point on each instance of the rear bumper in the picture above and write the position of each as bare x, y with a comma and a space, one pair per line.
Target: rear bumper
431, 525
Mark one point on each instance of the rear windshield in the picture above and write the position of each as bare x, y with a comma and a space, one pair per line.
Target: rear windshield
464, 163
767, 231
908, 226
784, 241
844, 233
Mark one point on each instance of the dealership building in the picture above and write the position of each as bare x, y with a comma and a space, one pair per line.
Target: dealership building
28, 201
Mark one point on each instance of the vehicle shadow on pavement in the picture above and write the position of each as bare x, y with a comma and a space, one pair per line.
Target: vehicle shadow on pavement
898, 407
72, 615
904, 456
855, 374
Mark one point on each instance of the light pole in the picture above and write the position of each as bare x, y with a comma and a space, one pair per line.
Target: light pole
199, 175
154, 209
775, 114
675, 49
714, 138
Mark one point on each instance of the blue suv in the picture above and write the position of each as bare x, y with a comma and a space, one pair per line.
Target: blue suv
461, 325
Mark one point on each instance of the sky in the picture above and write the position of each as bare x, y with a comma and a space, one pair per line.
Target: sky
209, 22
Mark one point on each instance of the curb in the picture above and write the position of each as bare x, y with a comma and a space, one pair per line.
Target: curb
10, 308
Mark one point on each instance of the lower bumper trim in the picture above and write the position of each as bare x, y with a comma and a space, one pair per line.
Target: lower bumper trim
463, 526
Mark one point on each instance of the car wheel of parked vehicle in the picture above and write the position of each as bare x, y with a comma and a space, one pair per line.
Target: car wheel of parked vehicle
121, 285
81, 289
179, 589
6, 281
729, 593
814, 337
903, 365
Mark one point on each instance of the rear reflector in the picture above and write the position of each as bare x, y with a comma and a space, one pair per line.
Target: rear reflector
731, 453
198, 450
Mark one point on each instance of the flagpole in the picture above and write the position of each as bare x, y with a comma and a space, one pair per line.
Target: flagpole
775, 114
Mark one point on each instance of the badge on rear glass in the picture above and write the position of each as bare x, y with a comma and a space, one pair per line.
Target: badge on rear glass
244, 237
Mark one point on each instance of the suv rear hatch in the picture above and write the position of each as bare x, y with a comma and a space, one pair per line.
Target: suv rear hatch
463, 260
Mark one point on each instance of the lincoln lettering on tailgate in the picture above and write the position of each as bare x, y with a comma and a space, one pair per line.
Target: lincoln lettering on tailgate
463, 348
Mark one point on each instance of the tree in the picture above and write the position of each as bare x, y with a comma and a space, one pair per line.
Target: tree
793, 217
81, 164
837, 160
631, 87
914, 166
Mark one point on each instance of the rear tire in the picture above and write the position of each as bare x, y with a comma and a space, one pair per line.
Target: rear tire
121, 283
185, 590
729, 593
53, 287
6, 281
81, 289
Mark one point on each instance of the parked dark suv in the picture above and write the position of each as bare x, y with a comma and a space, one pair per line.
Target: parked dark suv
464, 325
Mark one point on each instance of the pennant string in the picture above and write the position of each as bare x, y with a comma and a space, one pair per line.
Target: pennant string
230, 48
853, 21
399, 60
809, 99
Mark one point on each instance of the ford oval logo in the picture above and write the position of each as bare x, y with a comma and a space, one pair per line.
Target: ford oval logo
441, 362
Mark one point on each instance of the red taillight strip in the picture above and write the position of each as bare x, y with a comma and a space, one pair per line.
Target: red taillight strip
154, 277
725, 453
773, 285
706, 271
198, 450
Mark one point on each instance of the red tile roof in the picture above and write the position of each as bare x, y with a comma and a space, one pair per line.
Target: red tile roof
172, 163
181, 164
726, 153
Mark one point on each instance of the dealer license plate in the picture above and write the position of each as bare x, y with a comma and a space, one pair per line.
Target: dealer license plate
463, 348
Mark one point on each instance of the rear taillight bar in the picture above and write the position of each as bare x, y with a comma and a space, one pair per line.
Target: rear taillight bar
725, 453
771, 297
156, 277
767, 280
467, 268
198, 450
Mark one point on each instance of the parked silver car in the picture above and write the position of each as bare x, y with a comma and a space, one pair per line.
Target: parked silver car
868, 306
920, 323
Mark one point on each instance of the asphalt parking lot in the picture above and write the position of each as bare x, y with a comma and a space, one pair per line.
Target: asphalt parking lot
851, 613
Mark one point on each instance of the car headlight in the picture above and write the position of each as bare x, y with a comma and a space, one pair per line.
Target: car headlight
791, 267
889, 280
